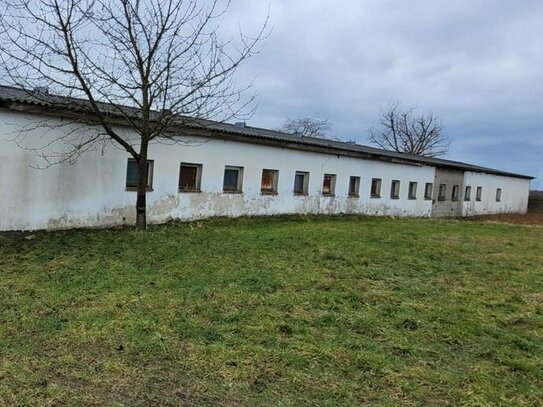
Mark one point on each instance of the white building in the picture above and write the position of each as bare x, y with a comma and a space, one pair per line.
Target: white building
232, 170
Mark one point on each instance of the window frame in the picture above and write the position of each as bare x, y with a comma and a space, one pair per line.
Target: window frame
455, 193
479, 194
377, 182
442, 192
498, 194
467, 193
198, 180
239, 186
395, 184
332, 187
275, 182
150, 172
305, 183
412, 185
428, 191
356, 193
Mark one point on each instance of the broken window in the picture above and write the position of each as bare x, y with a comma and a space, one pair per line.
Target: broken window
233, 178
354, 186
455, 192
395, 189
442, 193
189, 177
479, 194
132, 174
329, 184
428, 190
467, 195
376, 188
498, 195
412, 190
301, 183
268, 184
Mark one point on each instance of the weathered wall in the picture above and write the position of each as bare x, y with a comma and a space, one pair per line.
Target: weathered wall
92, 192
447, 207
514, 197
535, 202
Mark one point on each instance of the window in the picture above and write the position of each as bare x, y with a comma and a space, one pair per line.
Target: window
467, 195
233, 179
268, 184
354, 186
376, 188
442, 192
190, 176
132, 175
395, 189
301, 183
498, 195
479, 194
455, 192
428, 190
412, 190
329, 184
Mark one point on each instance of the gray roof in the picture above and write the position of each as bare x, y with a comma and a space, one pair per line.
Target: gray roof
249, 134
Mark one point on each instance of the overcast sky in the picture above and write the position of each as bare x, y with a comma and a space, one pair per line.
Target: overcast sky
478, 64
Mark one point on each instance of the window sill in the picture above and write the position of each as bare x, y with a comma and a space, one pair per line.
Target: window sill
233, 192
412, 198
394, 197
376, 196
441, 199
135, 189
190, 191
272, 193
301, 194
329, 195
353, 196
427, 199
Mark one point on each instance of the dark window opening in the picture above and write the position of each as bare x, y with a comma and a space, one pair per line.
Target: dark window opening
268, 184
479, 194
190, 177
132, 174
455, 192
376, 188
428, 190
412, 190
354, 186
498, 195
442, 193
329, 184
233, 177
301, 182
395, 189
467, 194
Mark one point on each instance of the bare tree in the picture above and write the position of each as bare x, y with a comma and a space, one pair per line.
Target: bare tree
307, 126
406, 132
154, 65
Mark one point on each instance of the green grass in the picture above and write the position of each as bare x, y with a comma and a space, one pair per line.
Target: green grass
294, 311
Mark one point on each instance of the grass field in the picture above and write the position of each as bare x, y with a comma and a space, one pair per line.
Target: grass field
274, 312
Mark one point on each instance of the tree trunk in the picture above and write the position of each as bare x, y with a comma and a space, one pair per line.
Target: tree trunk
141, 202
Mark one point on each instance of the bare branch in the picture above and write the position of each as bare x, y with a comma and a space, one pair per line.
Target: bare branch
307, 127
406, 132
155, 64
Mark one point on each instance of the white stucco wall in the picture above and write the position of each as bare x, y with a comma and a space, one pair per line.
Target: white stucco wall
92, 191
514, 196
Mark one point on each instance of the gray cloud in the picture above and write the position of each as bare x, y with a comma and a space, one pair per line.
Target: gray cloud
476, 63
